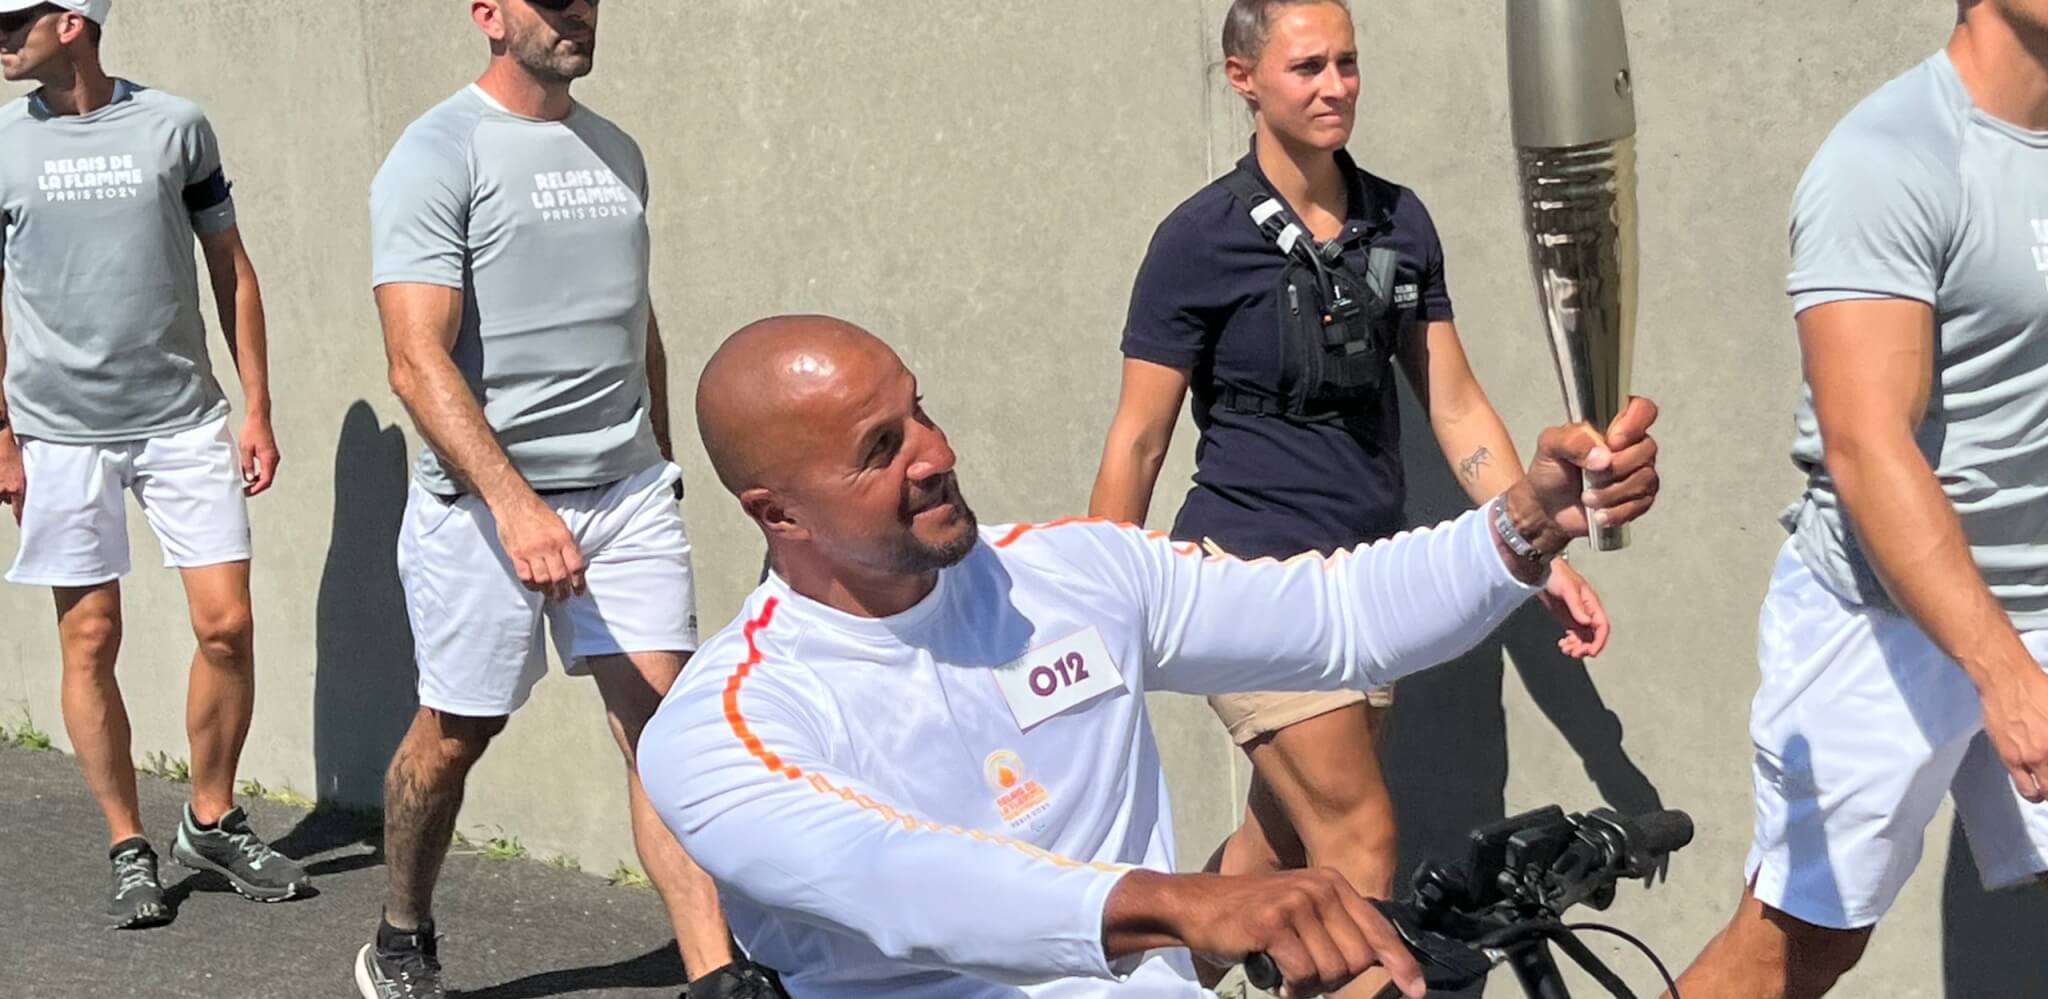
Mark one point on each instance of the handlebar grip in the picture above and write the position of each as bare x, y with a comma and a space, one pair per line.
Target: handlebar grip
1261, 972
1448, 963
1664, 832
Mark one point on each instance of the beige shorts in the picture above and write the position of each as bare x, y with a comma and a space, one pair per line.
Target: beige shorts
1247, 716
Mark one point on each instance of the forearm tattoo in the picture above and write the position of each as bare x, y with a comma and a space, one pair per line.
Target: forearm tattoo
1468, 469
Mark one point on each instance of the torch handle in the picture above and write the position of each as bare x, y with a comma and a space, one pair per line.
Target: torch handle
1608, 539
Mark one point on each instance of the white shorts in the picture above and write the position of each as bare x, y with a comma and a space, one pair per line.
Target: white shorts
1861, 726
74, 526
477, 629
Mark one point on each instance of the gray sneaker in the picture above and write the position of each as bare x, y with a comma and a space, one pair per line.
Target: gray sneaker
410, 971
233, 851
137, 900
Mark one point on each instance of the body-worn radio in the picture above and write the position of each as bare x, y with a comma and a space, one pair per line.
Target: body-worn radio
1339, 330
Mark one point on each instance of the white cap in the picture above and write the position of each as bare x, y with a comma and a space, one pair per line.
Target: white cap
95, 11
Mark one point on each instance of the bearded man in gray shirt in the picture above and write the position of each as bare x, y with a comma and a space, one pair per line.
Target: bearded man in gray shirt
103, 186
1903, 639
511, 251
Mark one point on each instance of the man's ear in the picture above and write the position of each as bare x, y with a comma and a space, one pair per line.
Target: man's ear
70, 27
775, 516
490, 16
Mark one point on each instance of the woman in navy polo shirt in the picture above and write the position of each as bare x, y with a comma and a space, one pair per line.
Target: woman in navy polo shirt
1299, 450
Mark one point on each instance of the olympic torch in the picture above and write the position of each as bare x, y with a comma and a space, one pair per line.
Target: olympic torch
1574, 132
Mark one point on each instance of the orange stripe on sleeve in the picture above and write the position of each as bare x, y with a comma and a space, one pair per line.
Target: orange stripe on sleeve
1189, 548
823, 785
1022, 529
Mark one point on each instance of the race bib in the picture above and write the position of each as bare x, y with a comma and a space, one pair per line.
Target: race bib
1052, 678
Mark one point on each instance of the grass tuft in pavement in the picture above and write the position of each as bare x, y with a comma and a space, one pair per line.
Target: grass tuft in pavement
27, 735
500, 847
158, 764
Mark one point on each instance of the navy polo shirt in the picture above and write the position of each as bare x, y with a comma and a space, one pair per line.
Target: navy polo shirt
1206, 301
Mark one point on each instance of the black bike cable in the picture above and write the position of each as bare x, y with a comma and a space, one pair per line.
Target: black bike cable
1670, 984
1565, 940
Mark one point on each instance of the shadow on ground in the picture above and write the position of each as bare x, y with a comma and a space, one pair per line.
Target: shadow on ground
658, 968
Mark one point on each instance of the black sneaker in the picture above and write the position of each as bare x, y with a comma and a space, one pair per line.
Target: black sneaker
233, 851
400, 966
742, 979
137, 900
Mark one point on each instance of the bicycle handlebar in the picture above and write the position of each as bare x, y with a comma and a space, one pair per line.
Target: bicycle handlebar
1519, 877
1665, 832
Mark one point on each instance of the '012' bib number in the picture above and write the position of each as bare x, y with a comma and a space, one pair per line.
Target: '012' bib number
1052, 678
1047, 680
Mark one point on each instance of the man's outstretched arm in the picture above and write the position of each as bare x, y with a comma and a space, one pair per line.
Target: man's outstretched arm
1370, 615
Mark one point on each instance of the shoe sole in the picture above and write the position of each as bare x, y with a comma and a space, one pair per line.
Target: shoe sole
189, 859
364, 985
146, 918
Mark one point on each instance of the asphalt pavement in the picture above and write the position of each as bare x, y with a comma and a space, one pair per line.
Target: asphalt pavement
511, 928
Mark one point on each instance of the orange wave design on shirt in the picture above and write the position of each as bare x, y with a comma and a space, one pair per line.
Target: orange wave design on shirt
1209, 550
823, 785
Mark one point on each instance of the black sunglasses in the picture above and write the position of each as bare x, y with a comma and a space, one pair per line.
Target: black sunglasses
11, 23
556, 6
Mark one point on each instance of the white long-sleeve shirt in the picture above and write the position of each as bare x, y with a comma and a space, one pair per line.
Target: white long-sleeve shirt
937, 804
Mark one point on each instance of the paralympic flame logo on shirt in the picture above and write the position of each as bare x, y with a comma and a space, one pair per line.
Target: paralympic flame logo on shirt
1018, 798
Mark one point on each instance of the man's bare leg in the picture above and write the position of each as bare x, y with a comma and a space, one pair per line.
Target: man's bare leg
632, 686
422, 794
221, 697
1766, 954
89, 632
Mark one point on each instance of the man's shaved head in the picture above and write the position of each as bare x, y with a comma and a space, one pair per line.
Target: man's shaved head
760, 389
816, 426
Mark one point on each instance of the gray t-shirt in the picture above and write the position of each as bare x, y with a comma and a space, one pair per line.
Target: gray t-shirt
1918, 194
105, 337
542, 225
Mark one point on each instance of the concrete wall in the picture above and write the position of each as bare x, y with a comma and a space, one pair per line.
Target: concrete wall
977, 183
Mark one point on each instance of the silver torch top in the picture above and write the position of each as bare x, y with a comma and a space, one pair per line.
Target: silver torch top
1568, 73
1574, 133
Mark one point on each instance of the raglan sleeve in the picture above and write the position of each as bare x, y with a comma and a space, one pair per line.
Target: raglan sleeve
1361, 618
1872, 217
639, 161
739, 763
208, 199
419, 209
6, 225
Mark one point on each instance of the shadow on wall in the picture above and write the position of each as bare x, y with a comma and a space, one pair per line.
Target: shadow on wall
363, 696
1991, 943
1446, 751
